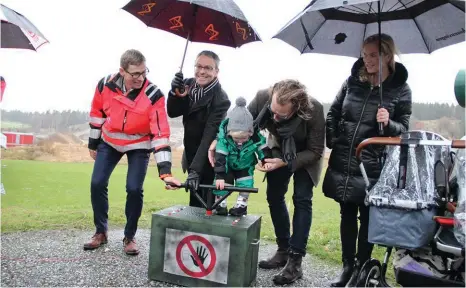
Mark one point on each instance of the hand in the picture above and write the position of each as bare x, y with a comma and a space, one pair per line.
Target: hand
268, 166
383, 116
211, 153
192, 182
177, 82
273, 163
201, 253
171, 180
93, 153
260, 167
220, 184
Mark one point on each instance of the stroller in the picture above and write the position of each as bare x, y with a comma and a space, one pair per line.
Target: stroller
413, 207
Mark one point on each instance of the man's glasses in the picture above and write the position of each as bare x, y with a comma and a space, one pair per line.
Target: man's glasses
136, 75
206, 68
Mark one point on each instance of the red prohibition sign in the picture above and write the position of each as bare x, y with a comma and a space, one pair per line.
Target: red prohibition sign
204, 270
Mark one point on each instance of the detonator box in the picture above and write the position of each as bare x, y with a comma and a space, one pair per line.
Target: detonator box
191, 249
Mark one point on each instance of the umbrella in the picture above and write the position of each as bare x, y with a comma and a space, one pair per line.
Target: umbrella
18, 32
207, 21
339, 27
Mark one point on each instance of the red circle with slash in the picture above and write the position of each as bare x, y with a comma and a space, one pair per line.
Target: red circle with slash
188, 242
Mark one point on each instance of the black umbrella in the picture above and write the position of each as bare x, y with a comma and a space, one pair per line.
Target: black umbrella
339, 27
18, 32
218, 22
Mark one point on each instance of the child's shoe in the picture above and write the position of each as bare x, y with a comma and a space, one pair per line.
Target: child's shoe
240, 208
221, 209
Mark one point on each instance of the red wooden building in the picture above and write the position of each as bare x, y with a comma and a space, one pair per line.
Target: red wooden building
18, 139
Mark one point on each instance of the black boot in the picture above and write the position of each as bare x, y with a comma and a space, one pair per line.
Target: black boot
278, 260
354, 277
345, 275
292, 270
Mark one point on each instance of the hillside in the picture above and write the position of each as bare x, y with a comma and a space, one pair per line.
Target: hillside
62, 136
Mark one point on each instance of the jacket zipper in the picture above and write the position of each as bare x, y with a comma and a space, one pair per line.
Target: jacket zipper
352, 142
124, 121
158, 124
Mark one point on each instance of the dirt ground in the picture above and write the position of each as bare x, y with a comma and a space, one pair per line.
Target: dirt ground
67, 148
63, 148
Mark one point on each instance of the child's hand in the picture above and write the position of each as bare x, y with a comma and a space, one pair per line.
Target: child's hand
220, 183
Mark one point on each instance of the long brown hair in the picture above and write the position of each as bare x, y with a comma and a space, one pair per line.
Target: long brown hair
388, 49
294, 92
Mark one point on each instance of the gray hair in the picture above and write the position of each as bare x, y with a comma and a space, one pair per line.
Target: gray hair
131, 57
212, 55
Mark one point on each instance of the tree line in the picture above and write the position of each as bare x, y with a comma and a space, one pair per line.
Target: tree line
63, 121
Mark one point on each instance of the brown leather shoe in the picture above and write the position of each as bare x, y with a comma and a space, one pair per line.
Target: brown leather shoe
130, 247
97, 240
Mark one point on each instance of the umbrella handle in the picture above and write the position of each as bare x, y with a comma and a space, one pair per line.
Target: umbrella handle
182, 94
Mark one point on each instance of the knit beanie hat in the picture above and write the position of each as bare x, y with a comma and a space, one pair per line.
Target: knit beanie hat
239, 117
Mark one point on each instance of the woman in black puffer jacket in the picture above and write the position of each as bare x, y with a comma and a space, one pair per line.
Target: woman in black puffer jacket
353, 117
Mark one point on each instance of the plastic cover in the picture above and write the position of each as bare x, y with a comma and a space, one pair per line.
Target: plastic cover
459, 171
419, 191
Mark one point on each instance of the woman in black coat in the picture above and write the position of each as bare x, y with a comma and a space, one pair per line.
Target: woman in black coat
354, 116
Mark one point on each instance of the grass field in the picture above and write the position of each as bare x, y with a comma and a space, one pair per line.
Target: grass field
46, 195
13, 125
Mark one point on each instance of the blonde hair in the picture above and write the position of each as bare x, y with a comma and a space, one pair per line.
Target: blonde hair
240, 134
388, 49
292, 91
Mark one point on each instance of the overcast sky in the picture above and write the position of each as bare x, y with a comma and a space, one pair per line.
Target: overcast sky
87, 38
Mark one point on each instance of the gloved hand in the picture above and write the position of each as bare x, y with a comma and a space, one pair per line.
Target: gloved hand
192, 182
177, 82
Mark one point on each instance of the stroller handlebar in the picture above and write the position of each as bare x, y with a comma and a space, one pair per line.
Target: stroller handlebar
398, 142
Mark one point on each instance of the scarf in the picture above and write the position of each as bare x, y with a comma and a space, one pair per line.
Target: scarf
197, 92
285, 130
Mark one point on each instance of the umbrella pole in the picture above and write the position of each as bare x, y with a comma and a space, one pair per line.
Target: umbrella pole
189, 36
185, 49
379, 23
181, 92
184, 91
380, 64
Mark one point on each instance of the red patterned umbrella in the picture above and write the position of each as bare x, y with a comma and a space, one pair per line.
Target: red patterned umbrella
218, 22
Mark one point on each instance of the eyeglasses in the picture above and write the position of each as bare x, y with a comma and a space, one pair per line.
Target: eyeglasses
136, 75
206, 68
280, 117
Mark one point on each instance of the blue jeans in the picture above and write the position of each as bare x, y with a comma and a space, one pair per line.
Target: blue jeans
107, 159
277, 186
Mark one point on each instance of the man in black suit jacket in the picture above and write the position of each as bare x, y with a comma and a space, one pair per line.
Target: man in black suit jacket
203, 108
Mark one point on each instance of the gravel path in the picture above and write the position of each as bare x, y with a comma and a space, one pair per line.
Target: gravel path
56, 258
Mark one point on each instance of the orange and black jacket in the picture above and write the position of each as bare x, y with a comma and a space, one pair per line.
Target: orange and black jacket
133, 120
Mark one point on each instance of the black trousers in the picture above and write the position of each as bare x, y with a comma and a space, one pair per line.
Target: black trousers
349, 232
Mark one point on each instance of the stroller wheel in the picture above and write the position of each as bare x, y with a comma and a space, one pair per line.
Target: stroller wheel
370, 274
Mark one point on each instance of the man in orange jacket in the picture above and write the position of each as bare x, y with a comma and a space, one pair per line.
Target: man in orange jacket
127, 117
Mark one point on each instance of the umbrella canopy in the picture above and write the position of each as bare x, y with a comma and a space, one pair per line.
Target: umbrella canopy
416, 26
208, 21
18, 32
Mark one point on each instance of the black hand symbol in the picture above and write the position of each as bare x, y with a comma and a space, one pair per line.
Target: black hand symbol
201, 253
